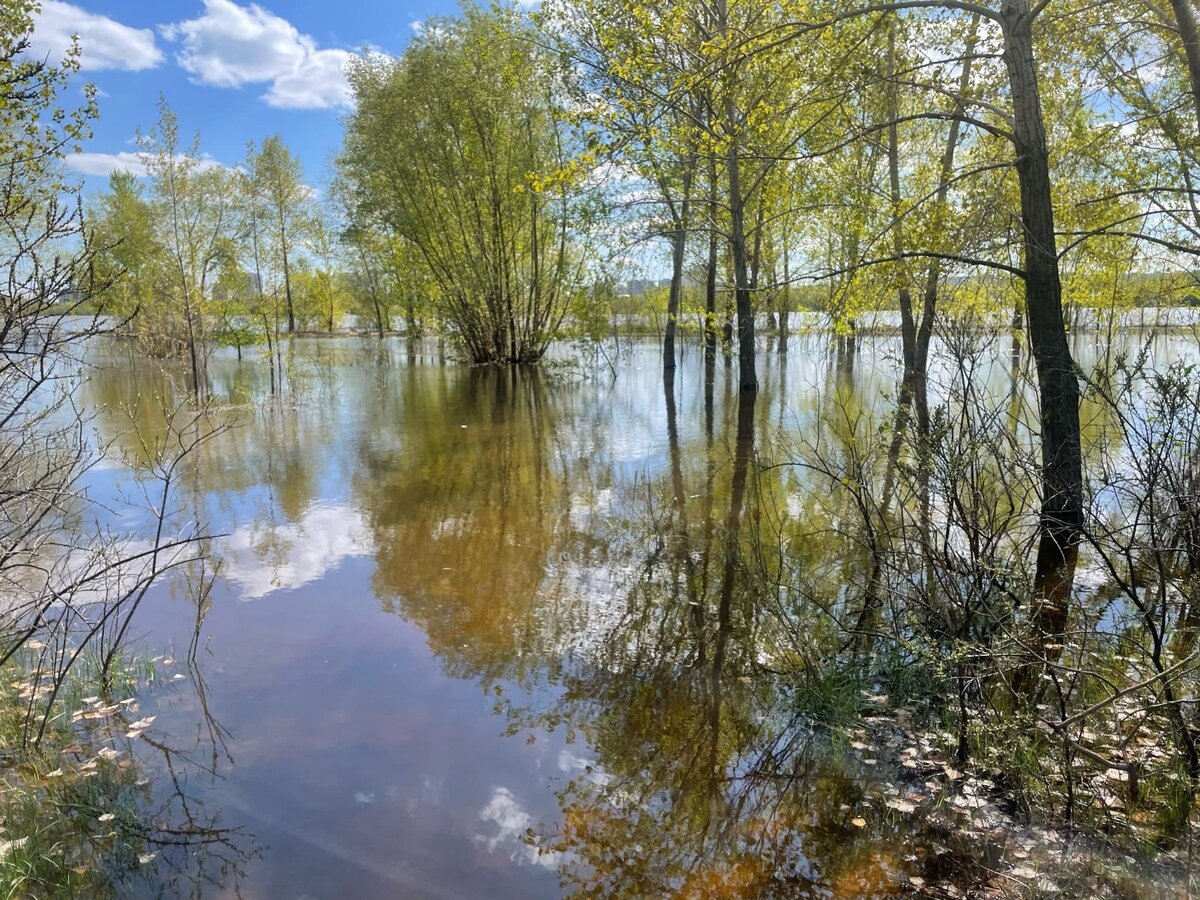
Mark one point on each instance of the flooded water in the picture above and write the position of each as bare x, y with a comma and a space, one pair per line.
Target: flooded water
482, 633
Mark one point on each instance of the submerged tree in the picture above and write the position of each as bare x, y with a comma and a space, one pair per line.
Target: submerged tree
278, 185
460, 147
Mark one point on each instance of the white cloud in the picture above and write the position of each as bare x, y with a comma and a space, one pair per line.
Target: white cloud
318, 84
231, 45
106, 163
104, 43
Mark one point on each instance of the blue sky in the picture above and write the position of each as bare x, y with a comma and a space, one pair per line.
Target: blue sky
232, 70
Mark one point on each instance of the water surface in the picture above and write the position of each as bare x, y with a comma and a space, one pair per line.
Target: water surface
495, 633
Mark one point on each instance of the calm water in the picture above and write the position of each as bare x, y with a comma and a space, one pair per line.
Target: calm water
491, 634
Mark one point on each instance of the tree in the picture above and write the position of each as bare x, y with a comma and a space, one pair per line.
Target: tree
193, 205
637, 92
328, 280
129, 254
279, 184
460, 147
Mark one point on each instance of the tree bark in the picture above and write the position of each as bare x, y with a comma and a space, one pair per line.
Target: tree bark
677, 248
747, 378
287, 275
1061, 520
908, 325
1189, 35
710, 274
785, 301
679, 226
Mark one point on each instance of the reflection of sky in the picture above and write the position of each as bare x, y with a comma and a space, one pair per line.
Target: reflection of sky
293, 555
397, 764
511, 821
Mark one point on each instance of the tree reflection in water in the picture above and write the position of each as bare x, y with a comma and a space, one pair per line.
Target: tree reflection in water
631, 612
635, 576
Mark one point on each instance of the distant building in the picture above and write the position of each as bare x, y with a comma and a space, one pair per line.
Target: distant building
635, 287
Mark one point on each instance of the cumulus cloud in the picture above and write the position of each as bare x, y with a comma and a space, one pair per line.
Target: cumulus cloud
105, 164
231, 45
104, 43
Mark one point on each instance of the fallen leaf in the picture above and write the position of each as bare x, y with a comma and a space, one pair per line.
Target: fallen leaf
7, 847
858, 822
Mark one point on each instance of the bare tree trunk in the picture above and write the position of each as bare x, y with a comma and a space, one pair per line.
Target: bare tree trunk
710, 273
785, 301
679, 227
908, 325
1061, 520
1189, 34
678, 238
747, 378
287, 275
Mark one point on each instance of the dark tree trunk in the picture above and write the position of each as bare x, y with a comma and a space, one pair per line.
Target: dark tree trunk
747, 378
1189, 35
287, 275
679, 226
1061, 520
678, 241
710, 270
908, 325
